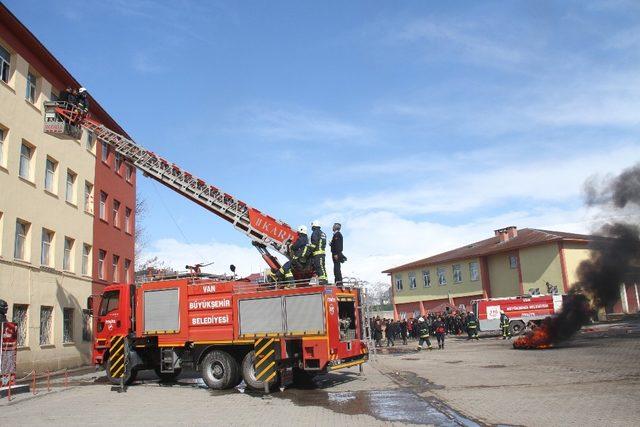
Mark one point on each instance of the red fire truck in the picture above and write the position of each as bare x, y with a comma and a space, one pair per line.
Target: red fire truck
229, 330
520, 310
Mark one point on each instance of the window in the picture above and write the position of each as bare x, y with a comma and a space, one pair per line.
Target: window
110, 302
118, 163
412, 280
50, 175
25, 161
90, 141
86, 257
116, 213
31, 88
22, 229
46, 255
67, 261
20, 319
442, 277
67, 325
46, 324
88, 197
114, 270
105, 150
128, 172
103, 205
101, 256
127, 220
86, 325
474, 271
127, 271
2, 132
457, 273
71, 187
5, 64
399, 282
513, 261
426, 278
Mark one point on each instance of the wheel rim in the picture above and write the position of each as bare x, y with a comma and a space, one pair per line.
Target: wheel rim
217, 370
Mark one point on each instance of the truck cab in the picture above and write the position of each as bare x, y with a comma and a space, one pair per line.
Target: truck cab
112, 317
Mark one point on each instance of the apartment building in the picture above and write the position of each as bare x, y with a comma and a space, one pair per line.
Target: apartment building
67, 209
512, 262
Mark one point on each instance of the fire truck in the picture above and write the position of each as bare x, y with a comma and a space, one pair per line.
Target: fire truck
519, 309
228, 329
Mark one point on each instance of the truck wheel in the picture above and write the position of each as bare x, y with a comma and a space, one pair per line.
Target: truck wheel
129, 375
249, 373
219, 370
167, 377
516, 327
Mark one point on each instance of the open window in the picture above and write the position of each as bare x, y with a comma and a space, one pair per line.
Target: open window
347, 318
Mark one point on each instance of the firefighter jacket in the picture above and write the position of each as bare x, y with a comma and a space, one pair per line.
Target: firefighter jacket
471, 322
298, 248
423, 329
336, 243
504, 320
318, 241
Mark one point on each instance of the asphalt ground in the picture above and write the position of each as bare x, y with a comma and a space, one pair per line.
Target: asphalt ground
591, 380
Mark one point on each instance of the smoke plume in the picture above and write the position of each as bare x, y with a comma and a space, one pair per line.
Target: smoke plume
615, 256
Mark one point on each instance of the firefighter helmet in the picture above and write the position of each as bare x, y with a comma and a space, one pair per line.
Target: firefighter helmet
421, 319
302, 229
315, 223
82, 90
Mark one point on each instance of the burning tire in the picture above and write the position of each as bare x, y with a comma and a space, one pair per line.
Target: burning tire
219, 370
516, 327
249, 373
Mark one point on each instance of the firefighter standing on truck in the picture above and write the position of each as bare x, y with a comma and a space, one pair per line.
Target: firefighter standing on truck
298, 253
318, 244
504, 325
336, 253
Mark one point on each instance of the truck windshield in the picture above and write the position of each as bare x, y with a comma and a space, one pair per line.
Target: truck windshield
110, 302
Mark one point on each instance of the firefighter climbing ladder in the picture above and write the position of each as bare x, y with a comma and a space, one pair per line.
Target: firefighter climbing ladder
222, 204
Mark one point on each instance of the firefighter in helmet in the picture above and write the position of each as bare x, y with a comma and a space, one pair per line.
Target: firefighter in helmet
423, 333
472, 326
297, 253
504, 325
317, 246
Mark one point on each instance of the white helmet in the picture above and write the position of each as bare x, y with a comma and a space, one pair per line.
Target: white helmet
421, 319
315, 223
302, 229
81, 90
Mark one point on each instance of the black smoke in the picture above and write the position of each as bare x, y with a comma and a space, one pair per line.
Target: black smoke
615, 254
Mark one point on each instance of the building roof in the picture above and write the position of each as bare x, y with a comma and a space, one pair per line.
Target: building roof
525, 238
45, 63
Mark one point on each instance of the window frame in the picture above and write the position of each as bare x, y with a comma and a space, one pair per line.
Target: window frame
5, 65
31, 90
67, 326
398, 282
413, 284
456, 268
426, 278
67, 257
513, 262
70, 191
50, 186
22, 338
115, 212
473, 270
50, 247
442, 276
86, 260
102, 255
103, 206
25, 240
3, 137
25, 160
115, 265
49, 335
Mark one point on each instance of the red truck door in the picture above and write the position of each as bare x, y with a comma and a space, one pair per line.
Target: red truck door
113, 314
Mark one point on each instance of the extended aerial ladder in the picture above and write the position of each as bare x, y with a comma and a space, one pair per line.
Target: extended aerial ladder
66, 119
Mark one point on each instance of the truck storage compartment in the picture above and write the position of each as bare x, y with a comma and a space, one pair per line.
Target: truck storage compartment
304, 314
261, 316
161, 311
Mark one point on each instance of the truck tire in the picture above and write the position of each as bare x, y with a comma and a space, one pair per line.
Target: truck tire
249, 373
167, 377
219, 370
516, 327
129, 375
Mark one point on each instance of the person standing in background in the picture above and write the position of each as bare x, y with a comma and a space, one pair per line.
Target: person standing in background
336, 253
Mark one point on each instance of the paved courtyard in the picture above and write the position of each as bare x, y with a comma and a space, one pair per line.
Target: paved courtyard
593, 380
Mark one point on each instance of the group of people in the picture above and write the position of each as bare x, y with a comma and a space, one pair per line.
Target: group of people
424, 327
311, 249
76, 97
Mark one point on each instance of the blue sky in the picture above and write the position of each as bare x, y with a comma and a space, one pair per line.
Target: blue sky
421, 126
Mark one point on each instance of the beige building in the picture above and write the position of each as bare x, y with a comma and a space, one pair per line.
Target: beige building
46, 209
512, 262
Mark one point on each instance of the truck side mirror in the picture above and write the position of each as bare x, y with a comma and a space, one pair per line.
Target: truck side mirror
90, 305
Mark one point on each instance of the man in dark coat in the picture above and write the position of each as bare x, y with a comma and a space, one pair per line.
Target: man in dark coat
4, 307
336, 252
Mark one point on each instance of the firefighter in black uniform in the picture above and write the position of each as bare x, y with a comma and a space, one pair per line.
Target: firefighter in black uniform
336, 253
472, 326
504, 325
317, 246
298, 254
83, 101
